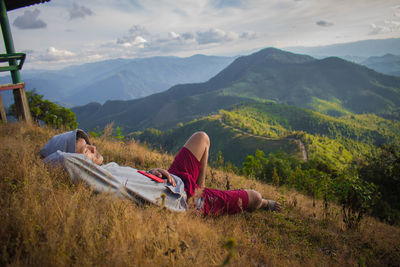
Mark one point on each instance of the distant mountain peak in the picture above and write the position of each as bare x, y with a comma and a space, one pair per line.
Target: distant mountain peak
279, 56
267, 57
335, 60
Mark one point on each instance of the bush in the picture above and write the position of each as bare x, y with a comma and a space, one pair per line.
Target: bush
384, 171
48, 112
355, 196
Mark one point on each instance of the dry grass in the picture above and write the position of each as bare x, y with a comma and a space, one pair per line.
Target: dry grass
47, 220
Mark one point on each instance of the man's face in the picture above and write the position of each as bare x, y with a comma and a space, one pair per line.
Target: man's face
90, 151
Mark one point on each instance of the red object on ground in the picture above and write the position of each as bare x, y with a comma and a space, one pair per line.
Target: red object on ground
152, 176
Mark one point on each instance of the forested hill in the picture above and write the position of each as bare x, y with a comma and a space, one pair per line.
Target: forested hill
332, 86
245, 128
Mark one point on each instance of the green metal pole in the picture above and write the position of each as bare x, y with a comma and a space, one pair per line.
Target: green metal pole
19, 94
8, 40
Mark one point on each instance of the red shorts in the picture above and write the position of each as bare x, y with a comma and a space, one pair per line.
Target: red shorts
216, 202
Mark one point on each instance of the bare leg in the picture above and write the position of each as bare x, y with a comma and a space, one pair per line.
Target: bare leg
256, 201
199, 145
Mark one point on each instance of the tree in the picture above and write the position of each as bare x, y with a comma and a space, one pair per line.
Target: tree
355, 196
275, 177
48, 112
384, 171
253, 166
281, 163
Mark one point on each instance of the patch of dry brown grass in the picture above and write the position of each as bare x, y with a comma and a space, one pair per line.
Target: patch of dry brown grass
47, 220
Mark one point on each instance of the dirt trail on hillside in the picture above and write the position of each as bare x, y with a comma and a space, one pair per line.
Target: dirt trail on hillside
301, 144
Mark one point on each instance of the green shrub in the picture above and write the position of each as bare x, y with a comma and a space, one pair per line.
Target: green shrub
48, 112
355, 196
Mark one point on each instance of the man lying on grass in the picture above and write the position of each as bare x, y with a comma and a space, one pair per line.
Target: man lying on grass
188, 169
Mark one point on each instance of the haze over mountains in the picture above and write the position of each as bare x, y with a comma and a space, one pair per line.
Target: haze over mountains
355, 51
125, 79
380, 55
118, 79
388, 64
332, 86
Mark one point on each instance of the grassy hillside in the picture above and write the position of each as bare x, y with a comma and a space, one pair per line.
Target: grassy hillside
244, 128
273, 120
234, 144
356, 134
47, 220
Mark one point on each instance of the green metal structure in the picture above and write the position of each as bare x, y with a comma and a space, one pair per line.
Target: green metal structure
12, 57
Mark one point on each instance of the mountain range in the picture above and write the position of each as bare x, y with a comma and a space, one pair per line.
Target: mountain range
332, 86
121, 79
354, 51
388, 64
125, 79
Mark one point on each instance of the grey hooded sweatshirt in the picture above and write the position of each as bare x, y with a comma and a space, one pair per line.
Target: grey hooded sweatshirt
123, 181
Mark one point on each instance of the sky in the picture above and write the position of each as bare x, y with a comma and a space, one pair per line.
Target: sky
64, 32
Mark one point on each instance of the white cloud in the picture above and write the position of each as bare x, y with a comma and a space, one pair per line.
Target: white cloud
79, 11
385, 27
248, 35
53, 54
375, 29
29, 20
215, 36
135, 37
173, 35
139, 42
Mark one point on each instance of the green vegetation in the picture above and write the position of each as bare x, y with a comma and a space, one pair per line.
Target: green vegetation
46, 219
332, 108
318, 180
274, 138
234, 145
336, 141
336, 147
330, 86
48, 112
383, 170
276, 120
109, 132
270, 127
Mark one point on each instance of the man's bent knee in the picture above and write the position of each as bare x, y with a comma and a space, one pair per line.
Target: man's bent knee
203, 136
198, 139
198, 144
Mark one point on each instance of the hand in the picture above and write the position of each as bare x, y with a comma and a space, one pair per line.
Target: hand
163, 173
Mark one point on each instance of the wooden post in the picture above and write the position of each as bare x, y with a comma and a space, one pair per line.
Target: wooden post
2, 111
19, 94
